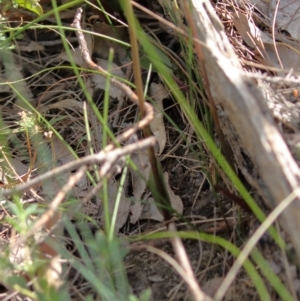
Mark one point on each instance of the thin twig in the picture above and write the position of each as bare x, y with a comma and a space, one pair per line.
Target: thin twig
199, 51
52, 207
112, 157
252, 242
109, 155
98, 158
149, 112
184, 262
162, 198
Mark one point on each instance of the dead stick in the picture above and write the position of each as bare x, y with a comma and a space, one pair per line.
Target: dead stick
88, 160
161, 198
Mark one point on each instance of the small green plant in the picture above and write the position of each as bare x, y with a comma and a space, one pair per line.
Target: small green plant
31, 5
98, 256
12, 9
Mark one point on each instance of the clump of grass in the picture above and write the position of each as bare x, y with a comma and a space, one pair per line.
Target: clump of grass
98, 260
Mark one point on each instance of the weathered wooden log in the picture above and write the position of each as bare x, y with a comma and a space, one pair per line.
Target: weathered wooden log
246, 109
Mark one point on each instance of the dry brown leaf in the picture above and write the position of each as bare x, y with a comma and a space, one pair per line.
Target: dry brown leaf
151, 212
70, 104
254, 37
32, 46
76, 56
100, 81
175, 199
4, 87
58, 155
250, 33
289, 57
136, 210
124, 206
158, 92
102, 45
76, 53
139, 183
61, 154
287, 16
13, 170
18, 167
211, 286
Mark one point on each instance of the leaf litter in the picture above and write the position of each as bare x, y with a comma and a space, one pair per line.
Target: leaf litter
140, 206
157, 125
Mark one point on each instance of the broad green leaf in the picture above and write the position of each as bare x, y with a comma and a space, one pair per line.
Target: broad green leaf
33, 6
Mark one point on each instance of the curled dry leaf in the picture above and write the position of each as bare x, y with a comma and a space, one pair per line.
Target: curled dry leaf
4, 87
60, 155
76, 53
211, 286
60, 151
32, 46
289, 57
114, 92
158, 92
15, 168
286, 12
139, 180
63, 156
287, 51
250, 33
287, 16
100, 81
124, 206
103, 44
151, 212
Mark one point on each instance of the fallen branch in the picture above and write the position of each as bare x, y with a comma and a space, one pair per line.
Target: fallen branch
108, 155
109, 160
246, 108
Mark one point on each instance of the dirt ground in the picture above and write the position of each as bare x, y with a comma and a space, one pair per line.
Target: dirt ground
218, 211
